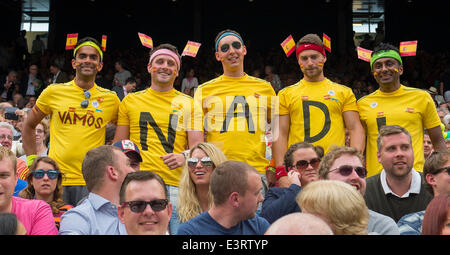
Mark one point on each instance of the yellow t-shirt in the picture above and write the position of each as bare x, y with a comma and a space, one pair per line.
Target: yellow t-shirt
158, 123
315, 111
75, 130
407, 107
236, 110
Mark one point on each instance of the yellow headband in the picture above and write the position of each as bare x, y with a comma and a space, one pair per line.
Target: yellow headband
89, 43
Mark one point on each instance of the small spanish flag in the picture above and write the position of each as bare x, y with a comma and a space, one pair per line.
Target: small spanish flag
410, 110
71, 41
380, 114
408, 48
191, 49
327, 42
104, 38
288, 45
305, 98
72, 109
364, 54
146, 40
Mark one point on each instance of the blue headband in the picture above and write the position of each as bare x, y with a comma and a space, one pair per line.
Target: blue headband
225, 34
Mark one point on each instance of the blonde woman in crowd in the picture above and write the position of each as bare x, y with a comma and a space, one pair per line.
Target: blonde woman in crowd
338, 203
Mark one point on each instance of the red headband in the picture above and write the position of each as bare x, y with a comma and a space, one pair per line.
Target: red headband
310, 46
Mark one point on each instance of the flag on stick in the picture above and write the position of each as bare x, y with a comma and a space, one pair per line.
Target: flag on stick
288, 45
327, 42
104, 38
146, 40
191, 49
71, 41
364, 54
408, 48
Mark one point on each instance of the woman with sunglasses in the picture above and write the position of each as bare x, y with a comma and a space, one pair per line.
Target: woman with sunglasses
45, 183
302, 161
194, 196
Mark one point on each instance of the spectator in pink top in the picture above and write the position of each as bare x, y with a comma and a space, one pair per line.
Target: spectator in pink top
35, 215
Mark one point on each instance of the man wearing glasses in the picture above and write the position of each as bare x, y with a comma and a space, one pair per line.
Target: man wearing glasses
144, 206
398, 189
236, 106
342, 164
79, 111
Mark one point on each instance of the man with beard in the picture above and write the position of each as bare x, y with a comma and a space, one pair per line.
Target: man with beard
79, 111
396, 104
161, 121
315, 109
398, 189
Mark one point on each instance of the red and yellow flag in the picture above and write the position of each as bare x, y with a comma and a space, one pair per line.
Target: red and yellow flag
408, 48
364, 54
146, 40
191, 49
327, 42
288, 45
104, 38
71, 41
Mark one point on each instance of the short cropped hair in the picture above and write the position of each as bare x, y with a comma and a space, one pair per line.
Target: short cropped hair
390, 130
95, 163
228, 177
310, 38
140, 176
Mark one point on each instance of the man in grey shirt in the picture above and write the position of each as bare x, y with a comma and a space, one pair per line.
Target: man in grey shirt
104, 169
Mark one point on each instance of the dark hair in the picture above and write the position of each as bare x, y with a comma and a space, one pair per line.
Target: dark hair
86, 39
385, 46
140, 176
8, 224
288, 156
130, 80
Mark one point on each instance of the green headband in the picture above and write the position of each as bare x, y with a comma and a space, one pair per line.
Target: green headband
385, 54
89, 43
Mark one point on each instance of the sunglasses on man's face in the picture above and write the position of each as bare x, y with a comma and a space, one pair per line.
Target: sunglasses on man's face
303, 164
225, 47
139, 206
85, 102
346, 170
51, 174
206, 162
437, 171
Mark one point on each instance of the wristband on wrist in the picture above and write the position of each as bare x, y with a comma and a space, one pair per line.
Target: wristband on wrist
30, 159
271, 168
280, 172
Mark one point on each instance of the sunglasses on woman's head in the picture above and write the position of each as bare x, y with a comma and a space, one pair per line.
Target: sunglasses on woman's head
346, 170
139, 206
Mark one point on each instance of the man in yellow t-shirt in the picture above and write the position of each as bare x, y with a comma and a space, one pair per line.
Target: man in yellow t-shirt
315, 109
79, 111
395, 104
236, 106
161, 121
